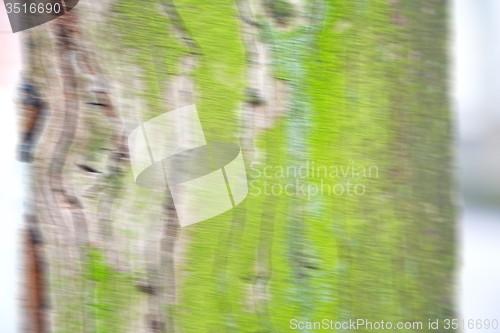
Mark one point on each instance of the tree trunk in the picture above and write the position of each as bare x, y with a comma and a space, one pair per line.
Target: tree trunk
341, 110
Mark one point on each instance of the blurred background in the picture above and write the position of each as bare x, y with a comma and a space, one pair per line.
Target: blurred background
11, 201
475, 79
476, 87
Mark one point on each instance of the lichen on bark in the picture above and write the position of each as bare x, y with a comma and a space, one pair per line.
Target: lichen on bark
317, 83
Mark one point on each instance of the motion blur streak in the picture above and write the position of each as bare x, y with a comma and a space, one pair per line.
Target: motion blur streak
340, 83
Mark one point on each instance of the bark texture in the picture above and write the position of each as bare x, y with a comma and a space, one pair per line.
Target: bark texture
341, 109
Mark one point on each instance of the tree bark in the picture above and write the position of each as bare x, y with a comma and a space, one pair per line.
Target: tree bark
324, 97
